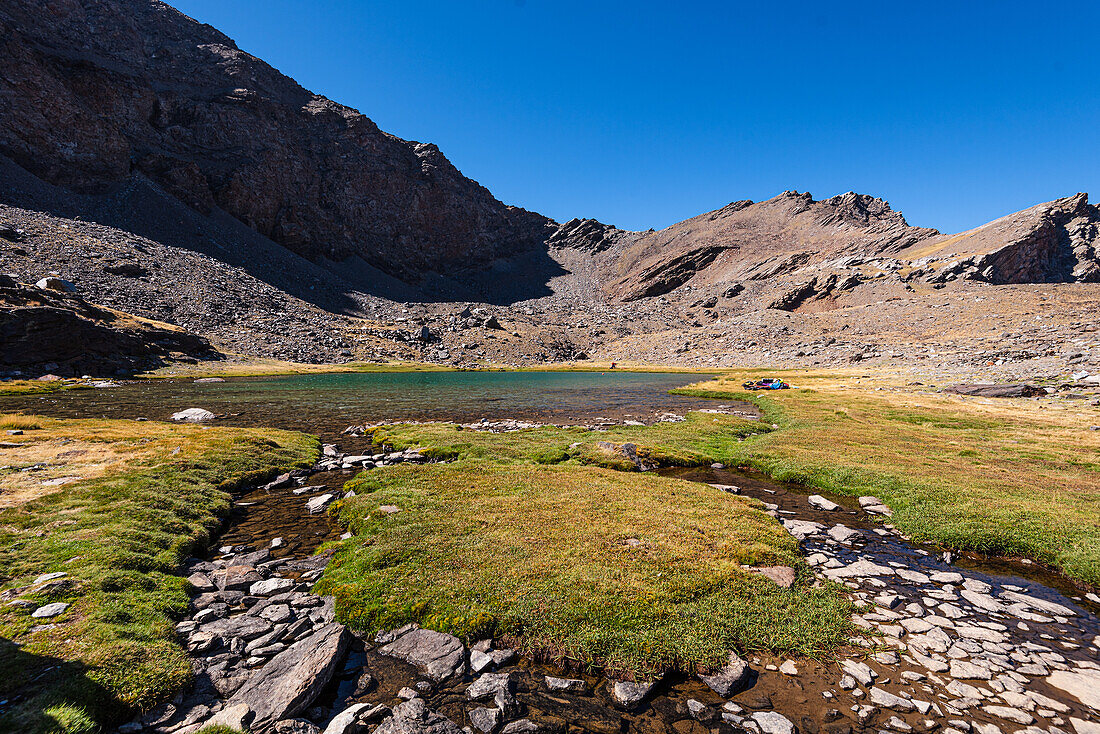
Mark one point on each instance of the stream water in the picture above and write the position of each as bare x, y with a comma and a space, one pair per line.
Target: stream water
966, 646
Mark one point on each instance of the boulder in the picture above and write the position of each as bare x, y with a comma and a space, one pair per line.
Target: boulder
781, 575
47, 611
53, 283
193, 415
628, 694
730, 679
997, 391
485, 720
439, 655
293, 679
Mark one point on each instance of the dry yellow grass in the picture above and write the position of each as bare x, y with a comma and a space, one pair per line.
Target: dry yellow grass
1010, 476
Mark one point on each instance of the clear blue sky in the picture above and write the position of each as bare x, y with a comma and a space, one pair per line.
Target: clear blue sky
644, 113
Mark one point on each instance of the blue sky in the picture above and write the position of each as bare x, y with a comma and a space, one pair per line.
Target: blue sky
641, 114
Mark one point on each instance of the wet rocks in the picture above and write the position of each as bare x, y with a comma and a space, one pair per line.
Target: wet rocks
1083, 684
439, 655
822, 503
485, 720
629, 694
730, 679
413, 717
293, 678
565, 685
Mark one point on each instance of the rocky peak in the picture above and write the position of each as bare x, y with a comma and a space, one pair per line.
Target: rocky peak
98, 92
585, 234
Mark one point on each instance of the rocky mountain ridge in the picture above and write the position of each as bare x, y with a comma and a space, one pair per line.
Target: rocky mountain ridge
171, 175
97, 91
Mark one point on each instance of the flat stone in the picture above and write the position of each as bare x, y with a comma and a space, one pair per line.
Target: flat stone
1009, 714
193, 415
860, 671
277, 613
842, 533
964, 670
730, 679
565, 685
1084, 727
771, 722
521, 726
822, 503
48, 577
46, 611
859, 568
294, 678
271, 586
946, 577
318, 503
879, 697
782, 575
347, 721
802, 529
1083, 684
439, 655
1041, 604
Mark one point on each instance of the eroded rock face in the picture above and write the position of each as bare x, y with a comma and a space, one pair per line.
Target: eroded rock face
152, 92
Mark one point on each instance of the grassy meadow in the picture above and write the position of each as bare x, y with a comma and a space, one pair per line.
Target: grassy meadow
628, 571
139, 497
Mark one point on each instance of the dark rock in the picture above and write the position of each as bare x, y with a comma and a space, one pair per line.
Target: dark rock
997, 391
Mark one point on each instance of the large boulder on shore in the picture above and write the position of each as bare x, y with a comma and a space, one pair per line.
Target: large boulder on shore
293, 678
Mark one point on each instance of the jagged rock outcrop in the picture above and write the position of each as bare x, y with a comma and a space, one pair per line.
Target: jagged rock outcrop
585, 234
1053, 242
762, 240
95, 92
48, 330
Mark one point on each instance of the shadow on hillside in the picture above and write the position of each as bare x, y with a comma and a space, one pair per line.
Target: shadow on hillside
141, 208
43, 693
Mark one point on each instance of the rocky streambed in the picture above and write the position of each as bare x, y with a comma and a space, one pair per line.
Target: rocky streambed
944, 647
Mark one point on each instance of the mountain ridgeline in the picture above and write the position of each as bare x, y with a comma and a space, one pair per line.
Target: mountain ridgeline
173, 176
